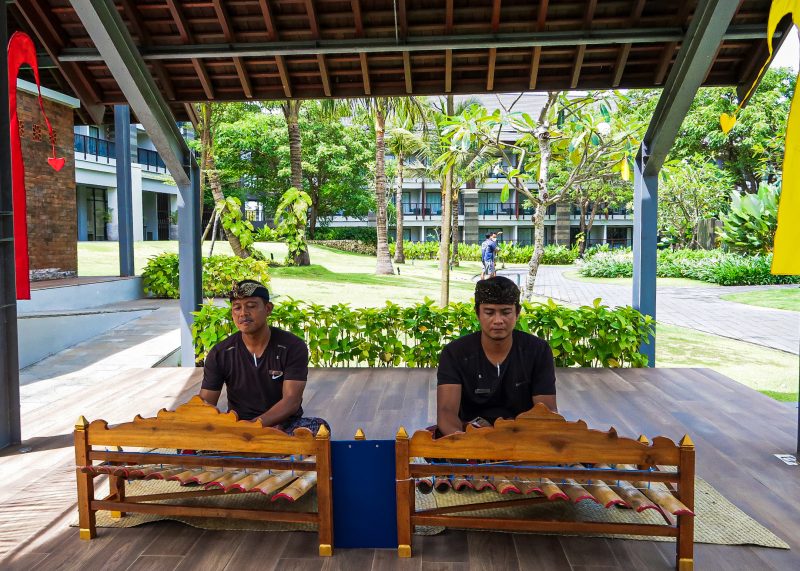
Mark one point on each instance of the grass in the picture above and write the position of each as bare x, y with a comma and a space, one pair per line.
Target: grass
783, 397
661, 282
766, 370
783, 298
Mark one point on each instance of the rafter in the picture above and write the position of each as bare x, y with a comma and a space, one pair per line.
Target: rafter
313, 24
448, 17
407, 72
448, 71
669, 49
359, 26
186, 37
493, 51
536, 54
51, 36
284, 73
272, 36
227, 31
625, 49
591, 5
323, 72
140, 29
402, 19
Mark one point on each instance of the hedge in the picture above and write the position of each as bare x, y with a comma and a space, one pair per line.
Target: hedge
160, 276
713, 266
366, 234
392, 336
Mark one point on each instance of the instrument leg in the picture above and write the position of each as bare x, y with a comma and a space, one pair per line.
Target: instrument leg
116, 487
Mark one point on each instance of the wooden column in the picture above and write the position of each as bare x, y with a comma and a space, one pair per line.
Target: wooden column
685, 540
324, 492
405, 494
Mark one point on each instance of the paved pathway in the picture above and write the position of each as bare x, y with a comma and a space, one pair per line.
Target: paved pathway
699, 308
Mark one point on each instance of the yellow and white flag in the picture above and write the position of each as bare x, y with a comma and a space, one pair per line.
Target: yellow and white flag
786, 255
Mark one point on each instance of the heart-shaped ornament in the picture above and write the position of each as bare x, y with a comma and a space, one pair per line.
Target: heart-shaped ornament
727, 122
56, 162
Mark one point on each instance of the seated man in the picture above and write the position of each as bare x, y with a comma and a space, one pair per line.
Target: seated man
498, 372
264, 368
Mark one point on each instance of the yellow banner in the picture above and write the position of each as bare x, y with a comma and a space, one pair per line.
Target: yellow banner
786, 255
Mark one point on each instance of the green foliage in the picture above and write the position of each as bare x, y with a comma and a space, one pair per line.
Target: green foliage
391, 336
509, 253
713, 266
266, 234
690, 191
366, 234
230, 213
754, 148
352, 246
749, 227
160, 276
290, 219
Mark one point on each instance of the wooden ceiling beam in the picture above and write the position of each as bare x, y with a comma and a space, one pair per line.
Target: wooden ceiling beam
407, 72
284, 73
591, 6
536, 54
272, 36
625, 49
313, 24
362, 56
129, 9
402, 19
669, 49
448, 17
227, 30
51, 36
186, 37
448, 71
493, 51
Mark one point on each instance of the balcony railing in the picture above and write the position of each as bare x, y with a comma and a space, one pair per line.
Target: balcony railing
150, 160
94, 149
613, 243
103, 151
420, 210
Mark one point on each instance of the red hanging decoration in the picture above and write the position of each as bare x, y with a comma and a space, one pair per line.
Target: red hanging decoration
21, 50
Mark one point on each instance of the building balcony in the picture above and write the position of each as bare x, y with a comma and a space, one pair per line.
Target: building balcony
94, 149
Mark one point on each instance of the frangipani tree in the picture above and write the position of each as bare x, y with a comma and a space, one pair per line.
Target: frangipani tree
570, 142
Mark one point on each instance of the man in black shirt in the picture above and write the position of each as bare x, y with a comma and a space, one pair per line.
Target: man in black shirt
264, 368
498, 372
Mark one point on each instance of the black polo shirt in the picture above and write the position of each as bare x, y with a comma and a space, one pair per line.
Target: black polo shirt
494, 392
256, 384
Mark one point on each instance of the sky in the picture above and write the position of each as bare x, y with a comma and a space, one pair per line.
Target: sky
789, 54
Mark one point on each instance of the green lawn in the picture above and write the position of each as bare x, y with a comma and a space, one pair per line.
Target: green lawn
760, 368
783, 298
661, 282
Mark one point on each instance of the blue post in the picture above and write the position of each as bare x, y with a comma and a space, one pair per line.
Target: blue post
122, 142
645, 236
190, 264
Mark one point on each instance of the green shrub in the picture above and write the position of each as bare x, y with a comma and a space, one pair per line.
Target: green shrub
391, 336
750, 224
509, 253
366, 234
352, 246
160, 276
713, 266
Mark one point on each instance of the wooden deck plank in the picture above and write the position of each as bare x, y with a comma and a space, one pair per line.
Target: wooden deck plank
736, 431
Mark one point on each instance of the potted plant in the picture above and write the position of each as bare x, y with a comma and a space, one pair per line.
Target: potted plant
173, 225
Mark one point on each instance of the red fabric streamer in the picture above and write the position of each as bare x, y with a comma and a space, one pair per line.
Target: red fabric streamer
21, 50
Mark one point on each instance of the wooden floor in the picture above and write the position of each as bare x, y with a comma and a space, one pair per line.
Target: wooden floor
735, 429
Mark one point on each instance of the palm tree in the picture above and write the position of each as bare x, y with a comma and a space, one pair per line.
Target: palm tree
403, 142
379, 109
291, 111
208, 167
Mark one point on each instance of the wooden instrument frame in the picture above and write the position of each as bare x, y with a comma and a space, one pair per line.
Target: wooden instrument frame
540, 436
197, 425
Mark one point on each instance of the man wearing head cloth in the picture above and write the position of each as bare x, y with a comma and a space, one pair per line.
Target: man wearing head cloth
263, 367
497, 372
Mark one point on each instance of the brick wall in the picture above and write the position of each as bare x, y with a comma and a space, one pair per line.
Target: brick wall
52, 211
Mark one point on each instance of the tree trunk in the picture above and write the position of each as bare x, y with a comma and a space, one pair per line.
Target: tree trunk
384, 261
444, 235
454, 232
582, 228
312, 221
399, 254
538, 249
542, 134
291, 111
